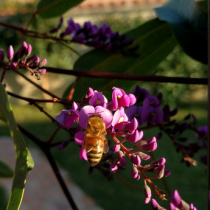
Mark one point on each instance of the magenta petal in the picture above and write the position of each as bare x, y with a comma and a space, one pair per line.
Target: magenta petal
79, 137
167, 172
85, 113
75, 105
123, 101
83, 154
105, 114
154, 204
176, 199
132, 99
60, 117
172, 207
69, 120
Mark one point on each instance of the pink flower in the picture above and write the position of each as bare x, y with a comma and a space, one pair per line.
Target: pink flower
67, 117
88, 110
121, 99
119, 117
98, 99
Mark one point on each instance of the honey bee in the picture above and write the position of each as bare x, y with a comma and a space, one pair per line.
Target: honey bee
95, 140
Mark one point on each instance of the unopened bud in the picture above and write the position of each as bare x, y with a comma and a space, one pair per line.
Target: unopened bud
116, 148
29, 50
42, 63
147, 193
23, 50
75, 106
43, 71
10, 53
135, 159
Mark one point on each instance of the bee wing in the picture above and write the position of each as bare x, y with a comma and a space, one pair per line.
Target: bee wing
106, 145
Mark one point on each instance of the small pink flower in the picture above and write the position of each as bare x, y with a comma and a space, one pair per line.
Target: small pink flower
98, 99
119, 116
67, 117
88, 110
121, 99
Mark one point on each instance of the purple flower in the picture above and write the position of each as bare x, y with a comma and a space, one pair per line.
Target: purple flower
136, 136
67, 117
140, 93
153, 115
98, 99
79, 38
119, 116
202, 132
134, 111
150, 101
121, 99
88, 110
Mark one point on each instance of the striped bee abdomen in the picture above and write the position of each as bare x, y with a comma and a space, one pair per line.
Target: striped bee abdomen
94, 148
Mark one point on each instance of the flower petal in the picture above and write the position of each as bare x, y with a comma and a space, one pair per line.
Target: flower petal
79, 137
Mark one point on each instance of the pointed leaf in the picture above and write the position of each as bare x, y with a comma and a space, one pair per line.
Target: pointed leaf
22, 154
55, 8
189, 22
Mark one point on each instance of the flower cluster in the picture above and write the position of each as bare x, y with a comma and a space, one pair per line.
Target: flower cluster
21, 59
98, 37
122, 128
149, 110
176, 203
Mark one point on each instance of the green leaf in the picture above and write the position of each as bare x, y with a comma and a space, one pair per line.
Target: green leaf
189, 22
55, 8
23, 157
5, 170
155, 41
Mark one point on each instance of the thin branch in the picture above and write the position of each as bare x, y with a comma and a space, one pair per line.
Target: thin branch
44, 146
33, 83
34, 100
123, 76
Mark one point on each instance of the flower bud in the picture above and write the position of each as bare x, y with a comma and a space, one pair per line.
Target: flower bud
63, 145
159, 171
10, 53
116, 148
13, 65
131, 127
43, 71
147, 193
113, 167
155, 205
75, 106
2, 56
23, 50
42, 63
29, 50
135, 173
167, 172
136, 136
135, 159
143, 156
